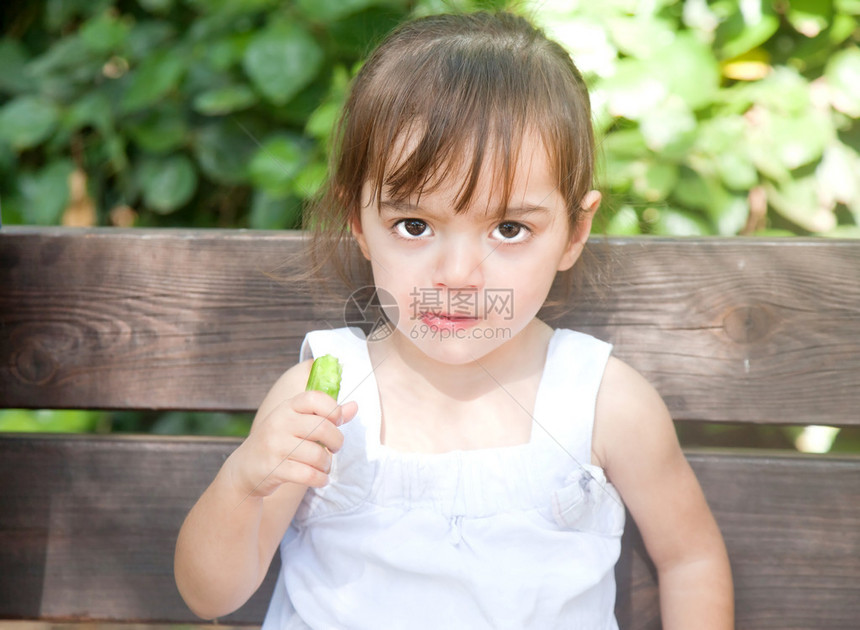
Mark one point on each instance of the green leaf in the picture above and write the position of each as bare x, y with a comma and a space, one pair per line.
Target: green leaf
688, 69
223, 150
694, 190
640, 86
225, 100
729, 212
276, 164
11, 209
281, 61
156, 6
60, 13
810, 17
722, 141
48, 421
92, 109
65, 67
161, 130
784, 90
632, 90
720, 133
629, 143
321, 122
843, 76
843, 231
46, 193
114, 150
640, 36
851, 7
310, 180
13, 59
274, 213
653, 181
814, 52
326, 11
105, 32
167, 184
154, 79
225, 52
27, 121
838, 174
735, 36
353, 36
671, 125
736, 169
149, 36
625, 222
791, 141
676, 222
798, 201
63, 54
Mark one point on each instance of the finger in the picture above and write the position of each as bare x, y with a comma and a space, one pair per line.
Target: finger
348, 410
316, 403
313, 428
291, 471
309, 453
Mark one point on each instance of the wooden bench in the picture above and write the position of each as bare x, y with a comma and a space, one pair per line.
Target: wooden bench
729, 330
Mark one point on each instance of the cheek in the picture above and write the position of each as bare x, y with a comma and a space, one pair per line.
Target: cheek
398, 280
533, 284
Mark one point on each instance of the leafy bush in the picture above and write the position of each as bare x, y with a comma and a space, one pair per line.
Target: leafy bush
723, 117
169, 112
720, 117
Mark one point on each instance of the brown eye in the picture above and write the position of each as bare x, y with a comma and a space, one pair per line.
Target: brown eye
511, 232
412, 228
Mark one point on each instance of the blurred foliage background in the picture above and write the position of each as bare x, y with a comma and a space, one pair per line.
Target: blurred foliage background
716, 117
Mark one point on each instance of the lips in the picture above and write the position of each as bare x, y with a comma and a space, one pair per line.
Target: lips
443, 321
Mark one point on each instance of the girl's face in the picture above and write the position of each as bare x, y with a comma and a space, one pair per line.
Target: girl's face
466, 284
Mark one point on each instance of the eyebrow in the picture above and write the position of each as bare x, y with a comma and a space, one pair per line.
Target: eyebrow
401, 207
404, 207
526, 208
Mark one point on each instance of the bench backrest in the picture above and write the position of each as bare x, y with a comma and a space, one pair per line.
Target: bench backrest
728, 330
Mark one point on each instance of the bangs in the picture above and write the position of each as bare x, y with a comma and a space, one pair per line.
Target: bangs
426, 157
449, 107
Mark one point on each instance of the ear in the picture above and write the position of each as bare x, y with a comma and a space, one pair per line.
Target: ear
358, 235
579, 235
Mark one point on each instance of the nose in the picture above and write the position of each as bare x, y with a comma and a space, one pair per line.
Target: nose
459, 264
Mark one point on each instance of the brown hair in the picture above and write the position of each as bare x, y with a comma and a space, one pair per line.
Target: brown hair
460, 87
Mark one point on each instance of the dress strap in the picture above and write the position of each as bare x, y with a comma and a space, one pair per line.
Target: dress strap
348, 345
565, 406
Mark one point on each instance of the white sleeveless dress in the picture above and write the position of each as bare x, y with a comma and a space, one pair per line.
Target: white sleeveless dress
524, 536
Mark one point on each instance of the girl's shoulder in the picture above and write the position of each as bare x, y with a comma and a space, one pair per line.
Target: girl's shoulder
629, 410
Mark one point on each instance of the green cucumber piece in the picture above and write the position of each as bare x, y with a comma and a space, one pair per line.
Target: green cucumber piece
325, 375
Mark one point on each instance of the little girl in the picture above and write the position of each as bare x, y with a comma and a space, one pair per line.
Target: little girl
476, 469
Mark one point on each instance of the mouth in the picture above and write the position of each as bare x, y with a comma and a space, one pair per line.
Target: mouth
444, 321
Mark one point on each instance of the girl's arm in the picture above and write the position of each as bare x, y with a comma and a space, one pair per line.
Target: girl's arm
635, 442
228, 540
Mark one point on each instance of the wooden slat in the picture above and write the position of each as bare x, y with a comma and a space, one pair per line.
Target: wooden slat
87, 529
727, 329
792, 527
88, 526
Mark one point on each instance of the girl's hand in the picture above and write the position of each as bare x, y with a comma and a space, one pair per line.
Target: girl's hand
229, 537
292, 443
